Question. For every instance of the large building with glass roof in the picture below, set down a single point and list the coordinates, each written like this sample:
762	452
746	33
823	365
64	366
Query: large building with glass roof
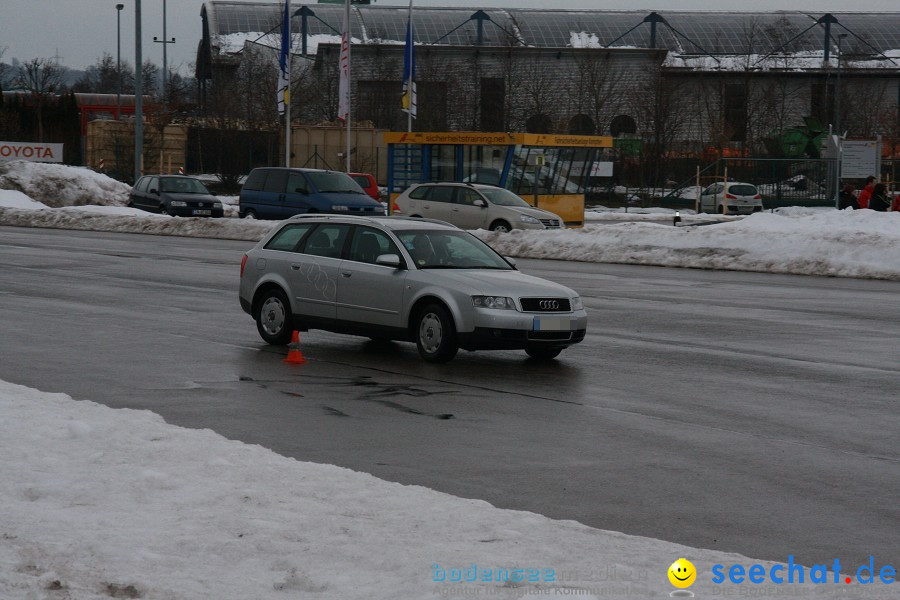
710	77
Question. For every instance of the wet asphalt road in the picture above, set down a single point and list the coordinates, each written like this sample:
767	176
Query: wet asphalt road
744	412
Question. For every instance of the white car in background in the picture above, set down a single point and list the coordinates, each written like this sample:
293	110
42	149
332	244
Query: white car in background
730	198
474	206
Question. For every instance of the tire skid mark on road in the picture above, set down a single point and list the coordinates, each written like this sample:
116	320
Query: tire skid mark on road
735	352
483	388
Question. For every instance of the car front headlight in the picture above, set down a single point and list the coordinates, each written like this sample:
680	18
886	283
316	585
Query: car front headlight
217	205
577	304
499	302
177	203
529	219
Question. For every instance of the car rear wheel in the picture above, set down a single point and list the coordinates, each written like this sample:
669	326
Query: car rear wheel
273	318
721	209
500	226
435	334
542	352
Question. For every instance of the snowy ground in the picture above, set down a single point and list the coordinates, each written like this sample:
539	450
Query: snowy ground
103	503
818	241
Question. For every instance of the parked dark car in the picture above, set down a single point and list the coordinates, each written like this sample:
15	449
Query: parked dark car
175	195
279	193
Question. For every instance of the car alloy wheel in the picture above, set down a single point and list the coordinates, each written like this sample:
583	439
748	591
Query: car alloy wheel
500	227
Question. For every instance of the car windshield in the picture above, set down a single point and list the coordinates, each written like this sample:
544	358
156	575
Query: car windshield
445	249
328	182
502	197
179	185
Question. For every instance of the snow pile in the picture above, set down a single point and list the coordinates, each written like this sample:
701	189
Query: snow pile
62	185
103	503
860	243
131	220
16	199
583	39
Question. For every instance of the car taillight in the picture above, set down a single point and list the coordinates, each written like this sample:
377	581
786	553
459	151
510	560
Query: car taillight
757	197
731	197
243	264
394	207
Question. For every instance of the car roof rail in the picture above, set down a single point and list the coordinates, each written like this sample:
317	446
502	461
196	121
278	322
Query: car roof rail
416	220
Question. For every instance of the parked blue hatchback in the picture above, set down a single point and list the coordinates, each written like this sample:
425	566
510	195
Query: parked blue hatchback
279	193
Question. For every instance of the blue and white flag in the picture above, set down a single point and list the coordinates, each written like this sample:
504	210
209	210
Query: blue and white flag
408	100
284	63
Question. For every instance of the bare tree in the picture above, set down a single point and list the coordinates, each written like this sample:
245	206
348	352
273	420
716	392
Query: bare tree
598	85
43	78
663	113
101	77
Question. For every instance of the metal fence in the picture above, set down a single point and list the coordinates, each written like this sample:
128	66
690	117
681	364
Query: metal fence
781	182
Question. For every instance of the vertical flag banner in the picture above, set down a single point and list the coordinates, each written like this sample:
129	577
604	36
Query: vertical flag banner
344	86
284	63
408	100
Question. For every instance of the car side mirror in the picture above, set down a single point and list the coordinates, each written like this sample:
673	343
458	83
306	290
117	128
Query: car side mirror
388	260
480	202
510	260
213	194
154	191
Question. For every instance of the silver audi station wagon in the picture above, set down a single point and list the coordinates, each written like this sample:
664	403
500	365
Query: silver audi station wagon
396	278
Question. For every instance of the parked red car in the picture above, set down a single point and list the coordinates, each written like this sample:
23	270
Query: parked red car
367	183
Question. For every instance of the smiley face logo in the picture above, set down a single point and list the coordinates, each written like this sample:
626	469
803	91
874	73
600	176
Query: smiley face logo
682	573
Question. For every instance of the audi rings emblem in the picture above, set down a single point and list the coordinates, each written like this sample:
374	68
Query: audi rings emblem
549	305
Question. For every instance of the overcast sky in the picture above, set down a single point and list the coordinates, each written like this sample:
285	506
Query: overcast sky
80	31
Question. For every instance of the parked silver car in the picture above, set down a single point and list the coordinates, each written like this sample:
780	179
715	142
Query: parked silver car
730	198
396	278
474	206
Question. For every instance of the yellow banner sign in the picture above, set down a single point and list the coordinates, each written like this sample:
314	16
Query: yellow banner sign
566	141
465	138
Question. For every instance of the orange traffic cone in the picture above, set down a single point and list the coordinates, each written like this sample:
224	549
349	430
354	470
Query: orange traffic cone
294	355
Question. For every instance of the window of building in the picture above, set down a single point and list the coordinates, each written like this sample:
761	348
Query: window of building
493	98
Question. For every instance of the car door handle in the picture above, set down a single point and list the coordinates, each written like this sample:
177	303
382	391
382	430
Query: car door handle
295	267
346	273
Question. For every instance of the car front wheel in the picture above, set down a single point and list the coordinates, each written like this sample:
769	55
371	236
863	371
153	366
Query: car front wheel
249	214
273	318
436	334
500	226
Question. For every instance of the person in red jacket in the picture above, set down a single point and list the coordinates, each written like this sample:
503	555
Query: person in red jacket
866	192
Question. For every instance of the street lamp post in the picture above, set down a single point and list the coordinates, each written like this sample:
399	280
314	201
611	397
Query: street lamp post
165	41
837	87
138	95
119	8
837	125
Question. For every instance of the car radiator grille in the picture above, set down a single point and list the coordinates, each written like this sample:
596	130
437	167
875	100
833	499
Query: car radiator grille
545	304
550	223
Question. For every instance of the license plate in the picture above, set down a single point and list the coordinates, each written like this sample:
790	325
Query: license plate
552	324
202	213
